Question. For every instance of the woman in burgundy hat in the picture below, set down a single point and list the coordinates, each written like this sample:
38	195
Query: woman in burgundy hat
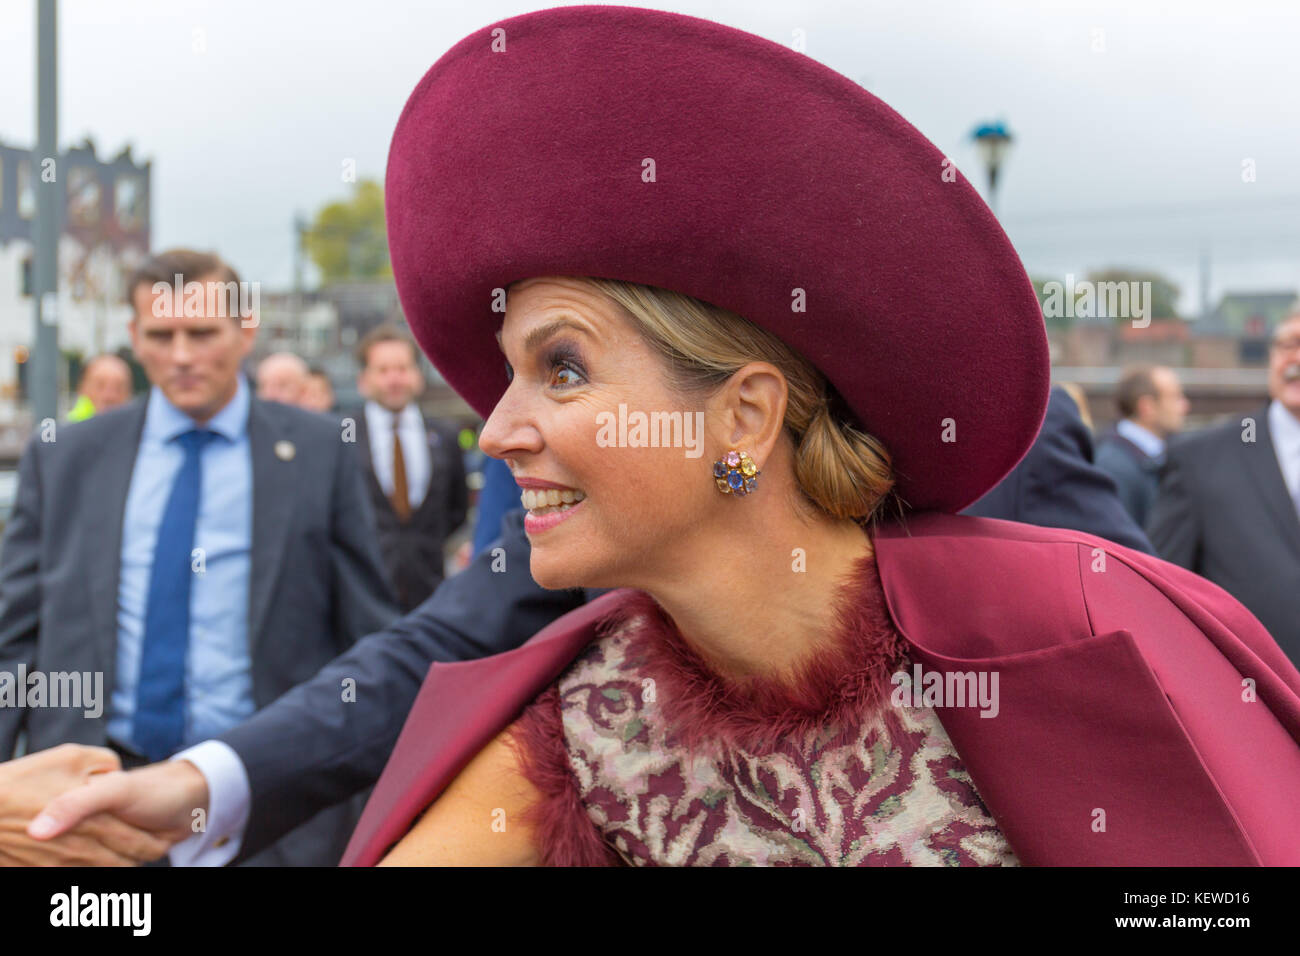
747	342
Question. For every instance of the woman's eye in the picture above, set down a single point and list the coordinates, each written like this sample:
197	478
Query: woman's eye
510	372
563	375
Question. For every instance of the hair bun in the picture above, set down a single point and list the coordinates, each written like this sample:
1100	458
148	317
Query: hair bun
845	471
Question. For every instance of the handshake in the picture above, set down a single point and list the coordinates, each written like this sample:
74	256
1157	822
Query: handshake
73	805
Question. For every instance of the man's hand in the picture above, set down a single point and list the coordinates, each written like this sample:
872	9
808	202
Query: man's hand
169	800
29	783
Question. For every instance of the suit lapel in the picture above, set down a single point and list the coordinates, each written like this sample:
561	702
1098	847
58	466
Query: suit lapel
274	481
1140	457
104	509
1262	466
367	460
430	437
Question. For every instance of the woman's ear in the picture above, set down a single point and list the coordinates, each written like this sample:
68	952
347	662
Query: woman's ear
749	410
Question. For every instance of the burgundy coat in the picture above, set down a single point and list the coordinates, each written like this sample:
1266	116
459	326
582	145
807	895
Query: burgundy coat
1127	685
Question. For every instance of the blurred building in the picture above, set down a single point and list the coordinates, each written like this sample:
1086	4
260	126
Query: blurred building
1234	335
361	305
1248	319
1221	359
104	236
324	327
307	325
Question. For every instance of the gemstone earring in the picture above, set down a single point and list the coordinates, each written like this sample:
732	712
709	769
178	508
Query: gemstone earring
735	473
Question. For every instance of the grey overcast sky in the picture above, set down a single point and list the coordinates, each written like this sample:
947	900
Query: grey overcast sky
1132	119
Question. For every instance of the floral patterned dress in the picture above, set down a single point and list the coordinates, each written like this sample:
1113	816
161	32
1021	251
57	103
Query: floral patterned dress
645	755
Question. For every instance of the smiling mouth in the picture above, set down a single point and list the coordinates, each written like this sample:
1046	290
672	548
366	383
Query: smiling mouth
1291	373
543	501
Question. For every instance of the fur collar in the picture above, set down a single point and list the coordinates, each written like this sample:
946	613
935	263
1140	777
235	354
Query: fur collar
841	686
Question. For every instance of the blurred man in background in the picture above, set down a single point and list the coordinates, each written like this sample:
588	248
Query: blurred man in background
318	393
1057	485
282	377
200	549
105	383
1153	407
1229	501
416	473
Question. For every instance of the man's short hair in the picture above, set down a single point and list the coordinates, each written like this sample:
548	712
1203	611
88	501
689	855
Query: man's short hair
1137	380
187	263
386	332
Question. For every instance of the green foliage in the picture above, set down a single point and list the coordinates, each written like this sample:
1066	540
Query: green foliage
1164	293
1053	322
347	238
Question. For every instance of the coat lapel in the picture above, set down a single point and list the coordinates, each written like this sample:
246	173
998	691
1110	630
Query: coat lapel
104	509
275	478
432	440
367	461
1079	771
1262	466
1101	722
459	709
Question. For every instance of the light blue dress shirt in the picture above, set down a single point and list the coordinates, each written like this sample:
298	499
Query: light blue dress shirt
1150	443
218	667
415	449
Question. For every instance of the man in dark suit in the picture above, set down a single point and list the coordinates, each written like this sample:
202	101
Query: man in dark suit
1153	407
414	468
1056	484
202	550
309	750
1229	497
313	747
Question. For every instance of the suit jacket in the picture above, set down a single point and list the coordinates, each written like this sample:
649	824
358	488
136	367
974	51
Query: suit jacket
310	749
1135	473
1056	484
413	549
1123	736
316	583
1223	511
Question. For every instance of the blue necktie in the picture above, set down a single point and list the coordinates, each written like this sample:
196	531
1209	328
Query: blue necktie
159	722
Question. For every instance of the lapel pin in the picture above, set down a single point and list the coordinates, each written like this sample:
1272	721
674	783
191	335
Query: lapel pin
285	451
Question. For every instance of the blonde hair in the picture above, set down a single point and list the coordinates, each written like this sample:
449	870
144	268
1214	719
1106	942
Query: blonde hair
839	468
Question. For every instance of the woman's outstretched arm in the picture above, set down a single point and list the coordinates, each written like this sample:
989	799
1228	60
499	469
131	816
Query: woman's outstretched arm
478	820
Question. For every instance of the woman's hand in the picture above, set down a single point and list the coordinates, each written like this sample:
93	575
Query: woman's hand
478	819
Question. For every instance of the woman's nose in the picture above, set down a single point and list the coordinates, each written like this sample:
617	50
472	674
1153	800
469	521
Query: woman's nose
508	430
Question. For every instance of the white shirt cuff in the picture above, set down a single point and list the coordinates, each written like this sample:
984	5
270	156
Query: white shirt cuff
229	797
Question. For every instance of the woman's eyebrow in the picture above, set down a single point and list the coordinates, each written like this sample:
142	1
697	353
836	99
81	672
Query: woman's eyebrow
544	332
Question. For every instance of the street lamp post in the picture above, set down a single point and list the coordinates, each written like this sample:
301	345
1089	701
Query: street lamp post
992	140
43	375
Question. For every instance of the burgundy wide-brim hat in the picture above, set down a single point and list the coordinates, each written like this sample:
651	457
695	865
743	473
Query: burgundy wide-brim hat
676	152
